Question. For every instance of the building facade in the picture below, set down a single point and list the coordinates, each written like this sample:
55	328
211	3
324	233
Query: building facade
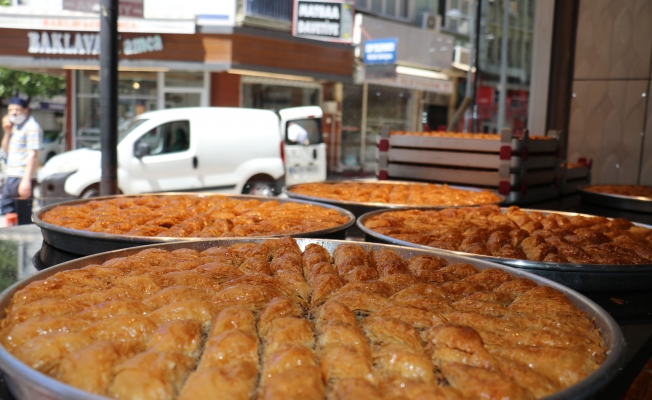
170	61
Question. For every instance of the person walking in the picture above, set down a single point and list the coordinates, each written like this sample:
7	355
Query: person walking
21	142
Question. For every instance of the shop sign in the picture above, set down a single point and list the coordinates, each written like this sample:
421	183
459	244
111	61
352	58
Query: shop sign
63	43
380	51
126	8
87	43
11	20
323	20
139	45
485	95
213	13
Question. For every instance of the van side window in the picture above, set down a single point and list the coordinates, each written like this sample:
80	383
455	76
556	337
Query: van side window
171	137
303	131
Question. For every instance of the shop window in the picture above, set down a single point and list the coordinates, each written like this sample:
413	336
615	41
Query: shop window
275	97
351	120
136	95
171	137
184	79
176	100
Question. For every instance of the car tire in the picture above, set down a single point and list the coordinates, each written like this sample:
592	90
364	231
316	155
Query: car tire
49	155
91	191
260	189
260	185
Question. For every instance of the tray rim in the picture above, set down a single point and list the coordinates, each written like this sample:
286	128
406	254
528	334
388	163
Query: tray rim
131	239
592	383
643	199
529	264
287	190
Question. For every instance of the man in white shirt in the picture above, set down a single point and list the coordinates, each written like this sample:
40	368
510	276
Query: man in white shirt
297	134
21	142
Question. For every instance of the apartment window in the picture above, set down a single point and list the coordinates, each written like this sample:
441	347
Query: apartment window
377	6
403	11
490	51
457	16
398	9
390	7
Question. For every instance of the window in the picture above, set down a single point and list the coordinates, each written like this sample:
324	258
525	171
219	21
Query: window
390	7
387	8
276	97
303	131
377	6
171	137
403	8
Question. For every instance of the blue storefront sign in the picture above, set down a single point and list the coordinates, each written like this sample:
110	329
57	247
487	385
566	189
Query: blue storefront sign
380	51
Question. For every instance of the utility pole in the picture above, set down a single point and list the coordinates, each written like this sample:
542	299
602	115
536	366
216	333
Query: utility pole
468	123
503	67
109	96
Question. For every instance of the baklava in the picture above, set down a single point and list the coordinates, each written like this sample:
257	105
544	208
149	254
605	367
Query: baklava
305	324
460	135
193	216
396	193
517	234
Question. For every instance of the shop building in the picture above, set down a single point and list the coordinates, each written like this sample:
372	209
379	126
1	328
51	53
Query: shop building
416	92
165	63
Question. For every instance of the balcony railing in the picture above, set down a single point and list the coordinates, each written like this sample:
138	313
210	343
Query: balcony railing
275	10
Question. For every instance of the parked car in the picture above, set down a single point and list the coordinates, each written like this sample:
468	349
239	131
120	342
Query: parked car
53	143
224	150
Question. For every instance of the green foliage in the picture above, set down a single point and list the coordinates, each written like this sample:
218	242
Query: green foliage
8	268
30	84
5	2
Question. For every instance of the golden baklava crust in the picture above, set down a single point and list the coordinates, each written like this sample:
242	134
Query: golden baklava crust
193	216
183	325
517	234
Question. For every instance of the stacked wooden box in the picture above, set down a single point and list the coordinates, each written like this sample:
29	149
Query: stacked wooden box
521	168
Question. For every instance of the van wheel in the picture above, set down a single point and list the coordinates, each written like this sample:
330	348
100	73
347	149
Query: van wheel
91	191
259	185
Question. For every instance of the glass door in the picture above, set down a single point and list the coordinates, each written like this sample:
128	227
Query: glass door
183	89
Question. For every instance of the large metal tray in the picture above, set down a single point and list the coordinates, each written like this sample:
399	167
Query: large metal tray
87	243
27	383
582	277
360	208
629	203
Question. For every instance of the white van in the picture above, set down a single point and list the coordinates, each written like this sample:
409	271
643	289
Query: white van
224	150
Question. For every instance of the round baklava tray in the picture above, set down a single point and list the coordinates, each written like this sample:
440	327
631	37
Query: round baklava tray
300	319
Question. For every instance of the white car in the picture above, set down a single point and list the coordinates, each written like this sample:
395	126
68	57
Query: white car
225	150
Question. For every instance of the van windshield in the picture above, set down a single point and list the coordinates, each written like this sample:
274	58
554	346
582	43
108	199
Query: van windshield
127	127
303	131
123	130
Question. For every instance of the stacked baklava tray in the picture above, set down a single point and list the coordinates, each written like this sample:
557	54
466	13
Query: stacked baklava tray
266	320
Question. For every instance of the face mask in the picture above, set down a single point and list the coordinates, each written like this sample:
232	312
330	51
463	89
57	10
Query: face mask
17	119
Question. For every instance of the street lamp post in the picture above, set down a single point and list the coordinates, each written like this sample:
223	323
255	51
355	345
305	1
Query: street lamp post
109	96
503	67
